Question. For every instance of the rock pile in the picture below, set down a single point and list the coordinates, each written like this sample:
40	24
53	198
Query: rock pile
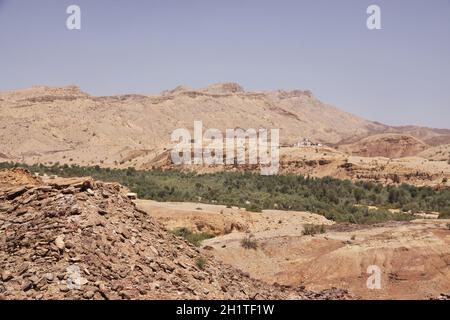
83	239
442	296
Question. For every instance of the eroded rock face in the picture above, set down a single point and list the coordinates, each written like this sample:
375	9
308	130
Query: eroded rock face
386	145
83	239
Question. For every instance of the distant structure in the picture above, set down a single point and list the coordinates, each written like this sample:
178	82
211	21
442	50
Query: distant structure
307	143
132	196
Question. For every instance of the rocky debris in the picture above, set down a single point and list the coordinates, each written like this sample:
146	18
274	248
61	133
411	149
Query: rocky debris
442	296
6	276
59	242
14	192
69	185
92	243
329	294
18	178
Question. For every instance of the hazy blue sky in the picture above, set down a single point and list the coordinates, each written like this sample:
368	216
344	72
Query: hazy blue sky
398	75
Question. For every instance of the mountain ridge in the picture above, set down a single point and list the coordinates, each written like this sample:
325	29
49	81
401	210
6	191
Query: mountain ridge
67	125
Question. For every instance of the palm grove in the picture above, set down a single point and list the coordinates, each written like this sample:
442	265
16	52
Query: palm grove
339	200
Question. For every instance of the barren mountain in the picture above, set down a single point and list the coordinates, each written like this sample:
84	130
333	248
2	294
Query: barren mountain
45	124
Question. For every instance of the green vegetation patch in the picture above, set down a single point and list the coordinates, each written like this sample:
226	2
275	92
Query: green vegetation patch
249	242
312	229
195	238
338	200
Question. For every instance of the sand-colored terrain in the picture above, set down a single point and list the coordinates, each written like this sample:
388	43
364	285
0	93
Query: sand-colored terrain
220	220
414	257
437	153
123	246
326	161
321	162
387	145
69	126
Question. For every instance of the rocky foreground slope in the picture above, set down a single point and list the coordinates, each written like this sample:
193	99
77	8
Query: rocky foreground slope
83	239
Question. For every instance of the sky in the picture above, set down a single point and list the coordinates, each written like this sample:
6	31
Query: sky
397	75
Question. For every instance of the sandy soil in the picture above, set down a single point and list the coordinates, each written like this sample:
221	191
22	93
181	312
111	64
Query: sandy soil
414	257
220	220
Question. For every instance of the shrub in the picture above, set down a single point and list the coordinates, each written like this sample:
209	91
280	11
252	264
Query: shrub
200	263
253	208
312	229
195	238
249	242
445	214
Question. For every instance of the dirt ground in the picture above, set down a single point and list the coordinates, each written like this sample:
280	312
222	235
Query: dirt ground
414	257
221	221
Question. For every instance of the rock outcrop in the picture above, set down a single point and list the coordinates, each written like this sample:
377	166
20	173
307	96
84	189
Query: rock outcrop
386	145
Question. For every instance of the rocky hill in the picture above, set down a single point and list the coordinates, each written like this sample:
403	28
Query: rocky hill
389	145
83	239
426	169
437	153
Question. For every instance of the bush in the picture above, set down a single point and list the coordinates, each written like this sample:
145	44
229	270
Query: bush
312	229
249	242
445	214
253	208
200	263
195	238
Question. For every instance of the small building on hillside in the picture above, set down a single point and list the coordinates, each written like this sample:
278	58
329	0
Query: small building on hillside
306	142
